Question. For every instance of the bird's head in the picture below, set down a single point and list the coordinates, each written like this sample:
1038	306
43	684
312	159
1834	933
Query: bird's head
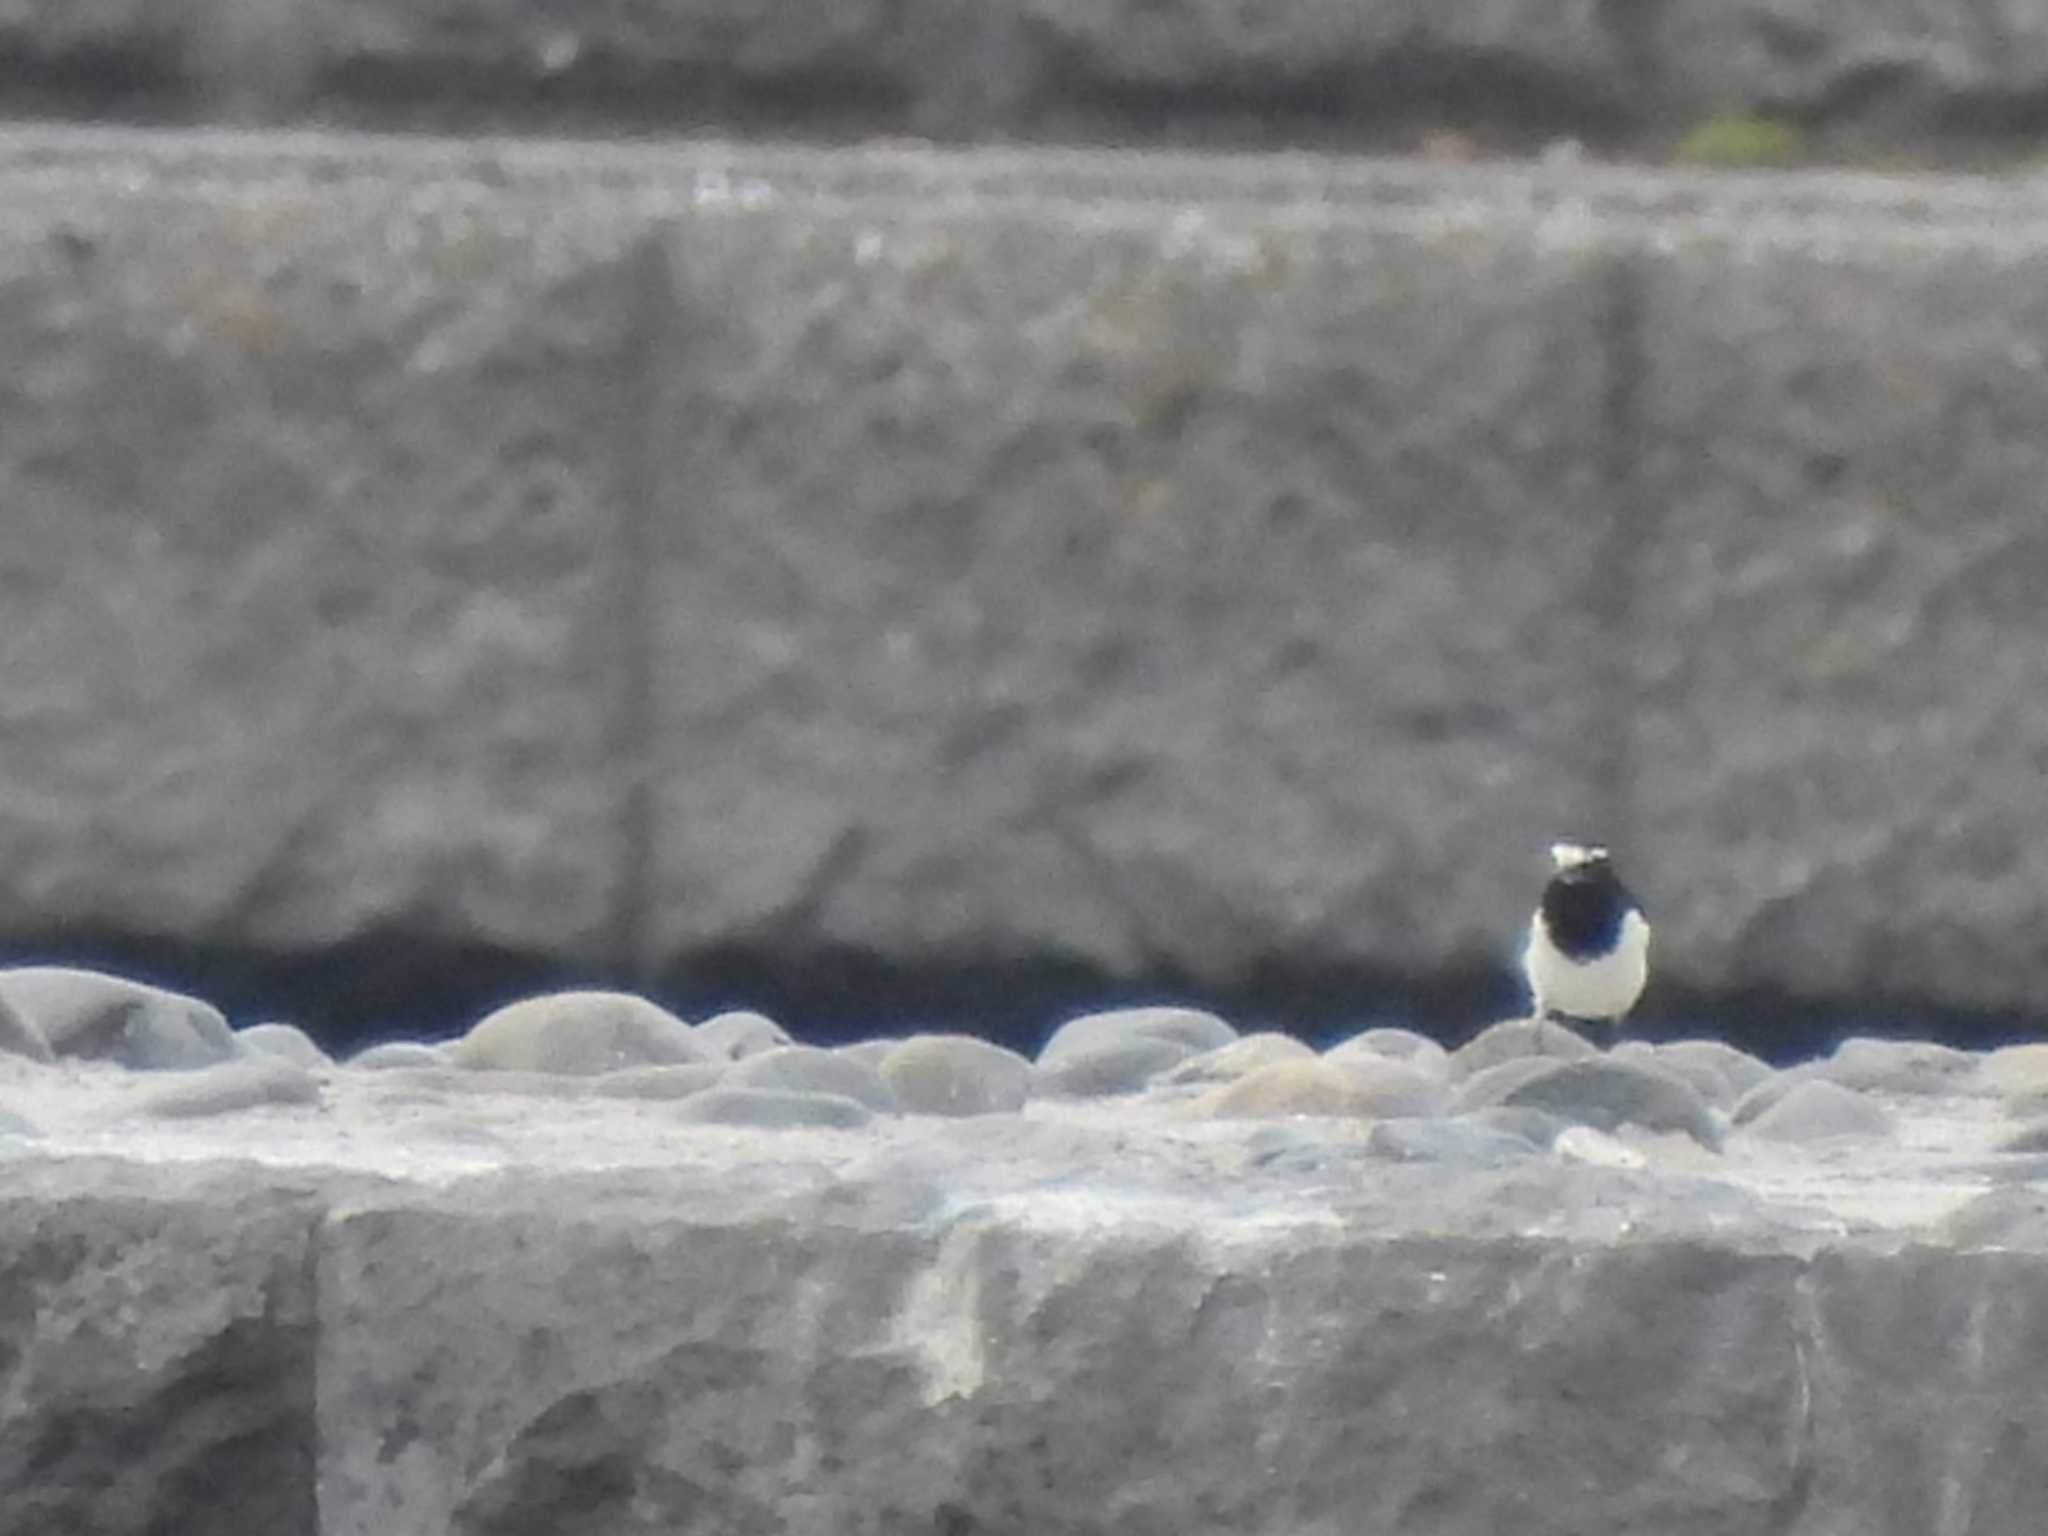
1569	856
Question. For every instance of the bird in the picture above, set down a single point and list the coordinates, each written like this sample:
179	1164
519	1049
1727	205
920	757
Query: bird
1588	952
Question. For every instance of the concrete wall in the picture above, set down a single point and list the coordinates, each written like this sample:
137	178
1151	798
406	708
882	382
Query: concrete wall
867	580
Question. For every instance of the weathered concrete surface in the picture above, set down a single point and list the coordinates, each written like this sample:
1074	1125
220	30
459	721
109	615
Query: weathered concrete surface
1359	73
1015	561
407	1310
1167	572
157	1351
309	566
1840	655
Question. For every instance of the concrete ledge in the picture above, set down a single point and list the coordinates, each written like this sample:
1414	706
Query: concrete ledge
1176	571
441	1299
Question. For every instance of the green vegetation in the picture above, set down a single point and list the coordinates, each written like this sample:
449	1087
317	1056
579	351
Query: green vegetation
1741	140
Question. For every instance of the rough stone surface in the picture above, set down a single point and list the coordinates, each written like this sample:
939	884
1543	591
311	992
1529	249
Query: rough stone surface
309	560
12	1124
489	1312
959	461
579	1033
1464	1141
158	1338
1837	810
795	559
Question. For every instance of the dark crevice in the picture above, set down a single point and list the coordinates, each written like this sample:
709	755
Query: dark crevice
1500	101
91	84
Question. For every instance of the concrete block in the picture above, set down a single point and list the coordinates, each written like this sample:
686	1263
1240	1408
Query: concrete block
310	574
1842	662
1126	584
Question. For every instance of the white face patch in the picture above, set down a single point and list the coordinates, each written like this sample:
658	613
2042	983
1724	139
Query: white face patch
1572	855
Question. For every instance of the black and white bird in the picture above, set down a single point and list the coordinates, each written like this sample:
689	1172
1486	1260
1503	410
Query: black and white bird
1588	953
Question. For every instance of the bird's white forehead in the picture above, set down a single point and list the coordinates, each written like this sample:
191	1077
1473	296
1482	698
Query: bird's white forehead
1572	855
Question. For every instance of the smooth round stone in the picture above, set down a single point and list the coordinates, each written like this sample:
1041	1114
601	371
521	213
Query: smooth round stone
808	1069
1608	1094
2015	1070
19	1035
677	1082
1738	1068
578	1034
1194	1028
1705	1077
1899	1066
1405	1045
955	1075
1124	1064
1512	1038
246	1083
738	1034
1462	1141
288	1041
394	1055
773	1109
1818	1109
94	1016
1306	1087
1392	1089
1489	1086
1770	1090
869	1053
1229	1062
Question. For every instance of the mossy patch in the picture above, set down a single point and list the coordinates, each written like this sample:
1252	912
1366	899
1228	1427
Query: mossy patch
1739	140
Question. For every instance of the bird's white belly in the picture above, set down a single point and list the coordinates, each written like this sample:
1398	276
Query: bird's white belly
1602	988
